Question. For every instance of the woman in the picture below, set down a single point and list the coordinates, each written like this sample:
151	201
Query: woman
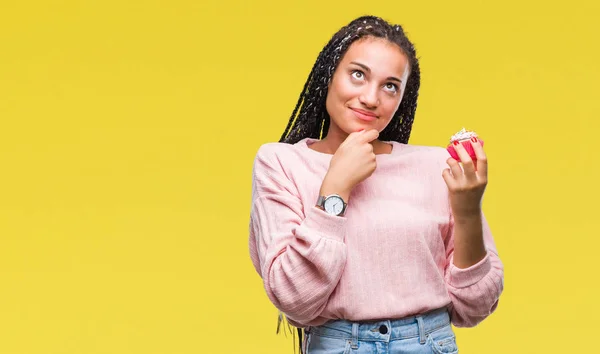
368	244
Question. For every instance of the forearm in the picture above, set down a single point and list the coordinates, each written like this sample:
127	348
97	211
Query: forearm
469	247
300	287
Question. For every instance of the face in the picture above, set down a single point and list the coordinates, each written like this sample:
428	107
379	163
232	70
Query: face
367	86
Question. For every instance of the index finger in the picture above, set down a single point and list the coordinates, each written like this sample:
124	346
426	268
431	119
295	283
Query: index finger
467	163
369	135
481	157
352	136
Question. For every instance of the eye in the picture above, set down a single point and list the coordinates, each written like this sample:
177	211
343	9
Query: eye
358	75
391	87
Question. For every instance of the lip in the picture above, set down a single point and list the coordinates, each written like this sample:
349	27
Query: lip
364	115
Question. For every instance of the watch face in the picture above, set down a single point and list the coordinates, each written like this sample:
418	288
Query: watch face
334	205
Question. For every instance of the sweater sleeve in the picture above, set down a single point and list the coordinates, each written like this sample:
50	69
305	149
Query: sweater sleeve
298	252
475	290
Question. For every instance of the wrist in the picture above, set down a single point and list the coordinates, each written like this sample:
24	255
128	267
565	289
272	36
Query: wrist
465	212
331	186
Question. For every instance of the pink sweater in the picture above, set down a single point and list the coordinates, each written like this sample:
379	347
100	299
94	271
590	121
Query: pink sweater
389	257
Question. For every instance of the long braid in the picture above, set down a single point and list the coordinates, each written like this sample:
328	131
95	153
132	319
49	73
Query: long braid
298	105
310	116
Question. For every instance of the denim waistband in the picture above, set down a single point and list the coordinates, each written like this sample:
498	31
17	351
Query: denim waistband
385	330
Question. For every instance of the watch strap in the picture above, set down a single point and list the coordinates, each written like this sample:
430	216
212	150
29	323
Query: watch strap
321	201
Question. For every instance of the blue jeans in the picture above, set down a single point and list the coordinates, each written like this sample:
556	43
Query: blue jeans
427	333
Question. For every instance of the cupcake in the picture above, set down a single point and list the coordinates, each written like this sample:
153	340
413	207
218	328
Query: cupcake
464	137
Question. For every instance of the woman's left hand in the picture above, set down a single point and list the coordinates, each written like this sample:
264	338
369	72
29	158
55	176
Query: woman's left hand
466	184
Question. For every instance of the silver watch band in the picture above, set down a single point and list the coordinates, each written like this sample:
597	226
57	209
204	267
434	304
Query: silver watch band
321	201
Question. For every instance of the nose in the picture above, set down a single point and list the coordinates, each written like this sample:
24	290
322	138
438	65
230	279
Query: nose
369	96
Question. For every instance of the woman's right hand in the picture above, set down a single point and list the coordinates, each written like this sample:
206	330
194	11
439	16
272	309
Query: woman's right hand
351	164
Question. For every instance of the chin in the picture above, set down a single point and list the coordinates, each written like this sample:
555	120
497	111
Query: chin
357	127
366	125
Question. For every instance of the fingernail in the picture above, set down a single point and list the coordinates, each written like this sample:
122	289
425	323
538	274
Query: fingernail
456	142
474	139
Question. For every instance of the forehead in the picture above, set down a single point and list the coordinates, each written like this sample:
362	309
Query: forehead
380	55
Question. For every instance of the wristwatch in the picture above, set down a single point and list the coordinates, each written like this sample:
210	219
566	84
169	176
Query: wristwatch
332	204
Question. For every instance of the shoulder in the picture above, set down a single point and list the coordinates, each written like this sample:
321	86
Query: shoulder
276	165
273	149
272	152
427	153
426	158
277	158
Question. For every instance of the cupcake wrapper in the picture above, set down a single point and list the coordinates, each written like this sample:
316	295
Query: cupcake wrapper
467	145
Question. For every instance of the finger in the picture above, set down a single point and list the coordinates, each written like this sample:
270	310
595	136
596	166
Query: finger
352	136
448	178
369	135
481	157
466	160
455	168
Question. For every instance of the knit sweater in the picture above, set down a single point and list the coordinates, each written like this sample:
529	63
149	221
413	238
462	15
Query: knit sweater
389	256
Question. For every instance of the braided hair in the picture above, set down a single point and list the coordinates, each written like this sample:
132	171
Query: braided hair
310	118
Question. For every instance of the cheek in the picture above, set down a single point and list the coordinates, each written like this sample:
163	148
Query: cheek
338	94
344	90
390	107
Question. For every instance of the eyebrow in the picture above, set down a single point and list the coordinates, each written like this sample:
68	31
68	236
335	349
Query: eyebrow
367	69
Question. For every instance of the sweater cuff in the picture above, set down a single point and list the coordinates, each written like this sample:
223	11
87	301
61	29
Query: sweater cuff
464	277
325	225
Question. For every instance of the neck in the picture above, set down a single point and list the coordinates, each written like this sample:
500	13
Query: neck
333	140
